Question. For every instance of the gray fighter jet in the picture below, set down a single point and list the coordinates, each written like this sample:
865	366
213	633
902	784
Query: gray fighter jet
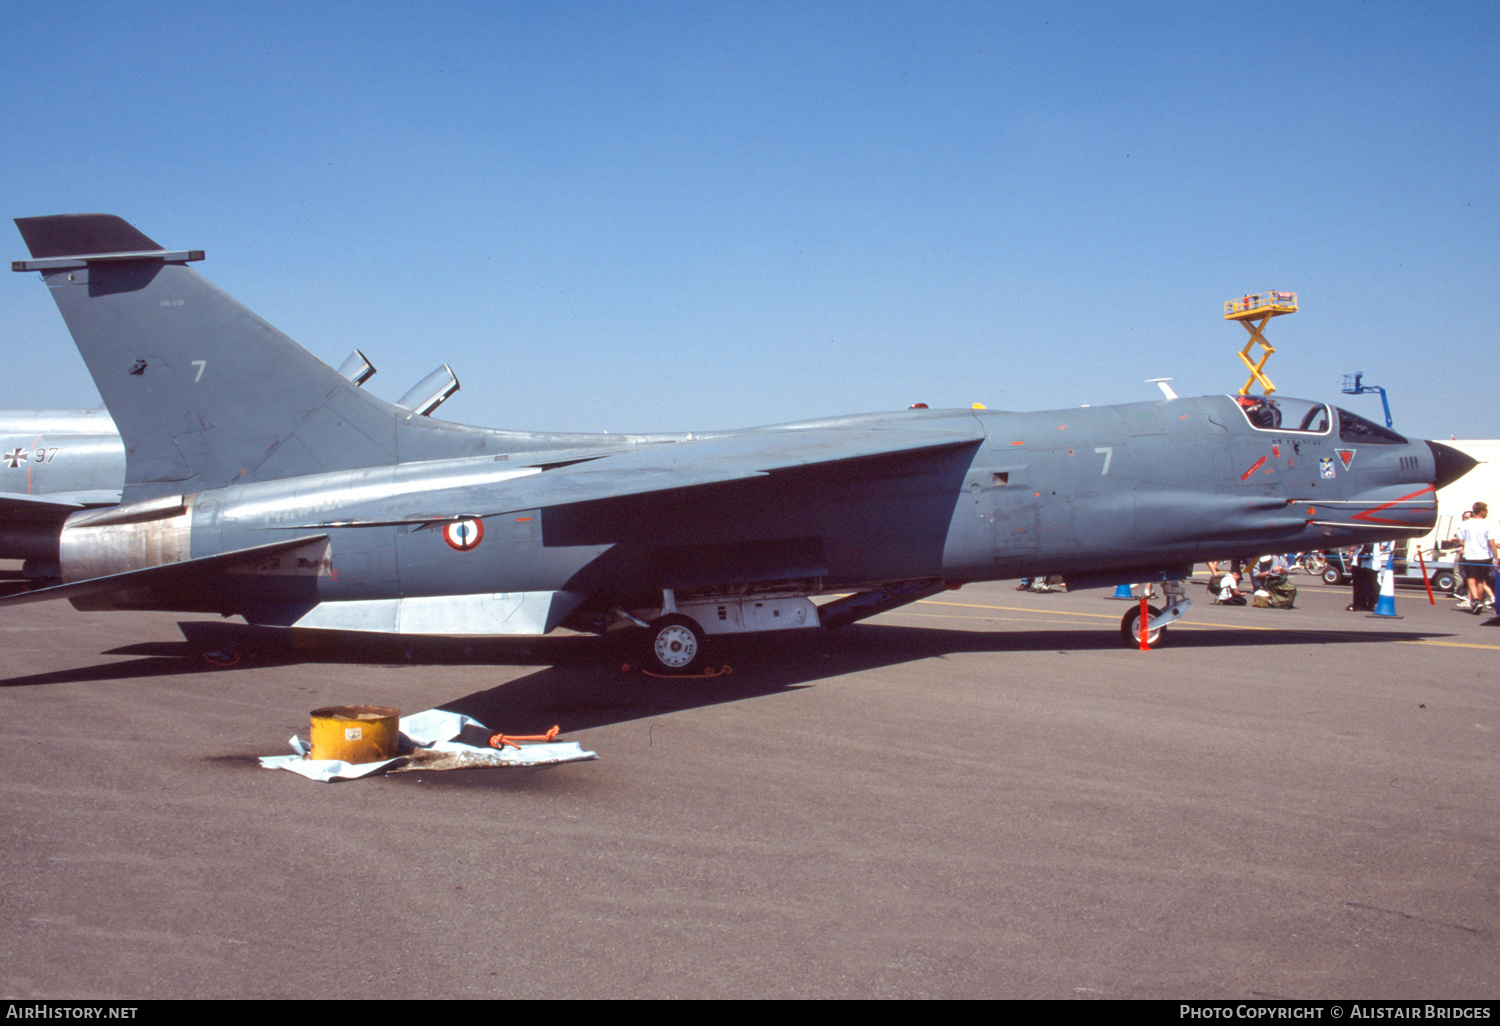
261	482
52	463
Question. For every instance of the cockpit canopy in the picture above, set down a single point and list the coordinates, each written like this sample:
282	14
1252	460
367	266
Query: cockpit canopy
1269	414
1306	417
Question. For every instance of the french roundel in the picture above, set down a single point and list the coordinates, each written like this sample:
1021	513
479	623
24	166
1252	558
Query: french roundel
464	535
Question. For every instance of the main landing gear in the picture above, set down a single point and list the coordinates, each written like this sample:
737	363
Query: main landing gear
672	645
676	641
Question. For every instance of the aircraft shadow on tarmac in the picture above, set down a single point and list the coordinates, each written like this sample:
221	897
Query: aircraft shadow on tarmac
580	680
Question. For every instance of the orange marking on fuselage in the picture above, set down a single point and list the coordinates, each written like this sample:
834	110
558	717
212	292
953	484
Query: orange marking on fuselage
1369	514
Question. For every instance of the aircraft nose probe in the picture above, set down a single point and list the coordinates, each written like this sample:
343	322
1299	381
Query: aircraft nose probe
1449	463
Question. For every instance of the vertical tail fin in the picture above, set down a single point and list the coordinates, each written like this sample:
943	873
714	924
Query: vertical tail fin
204	392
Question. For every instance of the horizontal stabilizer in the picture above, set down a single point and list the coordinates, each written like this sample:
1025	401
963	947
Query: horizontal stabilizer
187	571
15	505
77	235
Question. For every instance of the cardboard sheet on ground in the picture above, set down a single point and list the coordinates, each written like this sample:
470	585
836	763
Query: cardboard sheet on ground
428	743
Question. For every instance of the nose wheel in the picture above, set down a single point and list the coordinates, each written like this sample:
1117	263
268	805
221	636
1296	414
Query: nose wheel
673	645
1131	632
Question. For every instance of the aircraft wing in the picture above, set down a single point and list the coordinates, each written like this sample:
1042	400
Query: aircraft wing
708	461
659	468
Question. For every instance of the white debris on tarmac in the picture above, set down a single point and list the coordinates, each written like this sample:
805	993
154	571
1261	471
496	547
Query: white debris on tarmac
429	737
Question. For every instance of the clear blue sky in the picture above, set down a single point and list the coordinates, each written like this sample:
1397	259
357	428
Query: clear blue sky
697	215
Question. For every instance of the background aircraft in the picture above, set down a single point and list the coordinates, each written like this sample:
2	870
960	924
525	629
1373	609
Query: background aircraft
261	482
52	463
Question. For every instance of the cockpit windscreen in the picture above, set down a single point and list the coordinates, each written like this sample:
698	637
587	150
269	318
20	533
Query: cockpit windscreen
1354	428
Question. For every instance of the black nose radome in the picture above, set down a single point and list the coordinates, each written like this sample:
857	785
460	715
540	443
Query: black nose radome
1451	464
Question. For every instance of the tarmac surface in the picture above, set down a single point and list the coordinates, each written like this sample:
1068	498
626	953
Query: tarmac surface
982	795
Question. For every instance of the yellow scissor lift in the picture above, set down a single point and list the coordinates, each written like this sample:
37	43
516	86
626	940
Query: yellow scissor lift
1253	311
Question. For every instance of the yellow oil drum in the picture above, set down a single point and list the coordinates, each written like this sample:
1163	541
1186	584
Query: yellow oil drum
355	733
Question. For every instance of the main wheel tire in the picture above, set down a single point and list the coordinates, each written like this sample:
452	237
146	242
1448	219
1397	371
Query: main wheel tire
1132	636
1444	580
1332	576
673	645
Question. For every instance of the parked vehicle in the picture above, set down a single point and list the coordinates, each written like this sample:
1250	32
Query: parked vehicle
1407	568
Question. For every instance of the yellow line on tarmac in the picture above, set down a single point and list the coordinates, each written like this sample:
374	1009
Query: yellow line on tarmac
991	619
1100	616
1446	644
1179	623
1016	609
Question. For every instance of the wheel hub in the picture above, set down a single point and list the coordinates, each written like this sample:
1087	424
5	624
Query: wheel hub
675	646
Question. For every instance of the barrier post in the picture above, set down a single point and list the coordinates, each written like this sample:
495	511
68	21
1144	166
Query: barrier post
1425	582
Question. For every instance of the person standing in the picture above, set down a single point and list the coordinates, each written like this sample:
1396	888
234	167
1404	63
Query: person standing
1479	553
1460	588
1366	583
